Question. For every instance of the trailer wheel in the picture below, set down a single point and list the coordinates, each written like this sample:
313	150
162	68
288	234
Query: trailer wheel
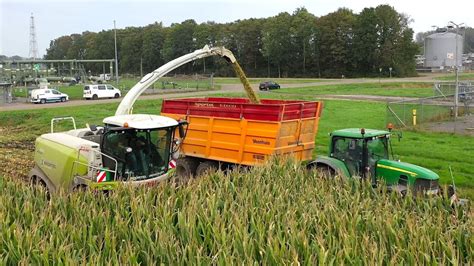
207	167
186	169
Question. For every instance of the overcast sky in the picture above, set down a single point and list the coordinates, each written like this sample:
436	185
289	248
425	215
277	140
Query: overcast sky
57	18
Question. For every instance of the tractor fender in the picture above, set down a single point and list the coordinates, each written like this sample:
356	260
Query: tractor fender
337	165
38	173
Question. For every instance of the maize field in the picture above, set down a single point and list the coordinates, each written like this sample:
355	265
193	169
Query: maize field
272	214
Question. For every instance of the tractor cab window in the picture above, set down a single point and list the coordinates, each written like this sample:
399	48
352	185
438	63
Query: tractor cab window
350	151
377	148
141	154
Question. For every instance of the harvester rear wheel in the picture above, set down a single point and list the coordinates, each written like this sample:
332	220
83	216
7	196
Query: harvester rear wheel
186	169
207	167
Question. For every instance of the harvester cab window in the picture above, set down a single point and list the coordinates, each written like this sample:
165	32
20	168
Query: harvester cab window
139	154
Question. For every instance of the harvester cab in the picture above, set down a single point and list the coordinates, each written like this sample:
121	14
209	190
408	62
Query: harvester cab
365	153
130	148
142	145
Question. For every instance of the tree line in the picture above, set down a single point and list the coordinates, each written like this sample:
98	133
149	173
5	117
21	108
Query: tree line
339	44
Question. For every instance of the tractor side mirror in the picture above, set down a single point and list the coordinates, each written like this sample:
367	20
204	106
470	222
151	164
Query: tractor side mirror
182	131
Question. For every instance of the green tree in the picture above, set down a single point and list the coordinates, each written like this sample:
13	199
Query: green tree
335	40
58	48
179	40
131	44
277	44
152	46
303	31
397	49
366	42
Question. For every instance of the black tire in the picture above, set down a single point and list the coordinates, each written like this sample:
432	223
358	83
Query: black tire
207	167
325	171
63	99
116	95
42	101
40	186
322	170
94	97
80	188
186	169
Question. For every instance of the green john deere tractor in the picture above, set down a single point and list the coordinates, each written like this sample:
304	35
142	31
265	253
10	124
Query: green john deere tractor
364	153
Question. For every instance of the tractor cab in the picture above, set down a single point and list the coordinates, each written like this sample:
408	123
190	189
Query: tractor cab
365	153
360	149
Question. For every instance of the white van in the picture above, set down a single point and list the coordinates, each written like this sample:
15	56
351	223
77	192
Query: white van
48	95
96	91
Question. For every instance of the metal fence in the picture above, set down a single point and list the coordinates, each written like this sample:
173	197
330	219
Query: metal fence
437	113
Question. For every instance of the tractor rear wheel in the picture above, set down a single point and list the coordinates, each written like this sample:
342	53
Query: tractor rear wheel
325	171
186	169
207	167
322	170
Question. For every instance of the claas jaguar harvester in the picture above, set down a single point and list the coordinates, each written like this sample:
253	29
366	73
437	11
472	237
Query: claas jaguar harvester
128	148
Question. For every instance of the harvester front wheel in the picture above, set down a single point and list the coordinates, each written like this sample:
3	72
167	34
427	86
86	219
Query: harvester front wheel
207	167
186	169
38	184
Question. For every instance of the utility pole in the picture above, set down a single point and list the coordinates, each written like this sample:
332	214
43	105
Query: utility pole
456	69
116	57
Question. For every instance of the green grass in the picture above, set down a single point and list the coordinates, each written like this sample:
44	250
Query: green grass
277	214
405	89
462	76
277	80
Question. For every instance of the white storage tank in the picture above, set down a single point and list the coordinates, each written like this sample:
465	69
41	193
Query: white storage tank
440	49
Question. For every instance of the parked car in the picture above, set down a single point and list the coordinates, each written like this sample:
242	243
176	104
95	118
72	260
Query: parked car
46	95
268	85
96	91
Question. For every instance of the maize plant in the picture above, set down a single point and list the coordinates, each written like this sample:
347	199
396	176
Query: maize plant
277	213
